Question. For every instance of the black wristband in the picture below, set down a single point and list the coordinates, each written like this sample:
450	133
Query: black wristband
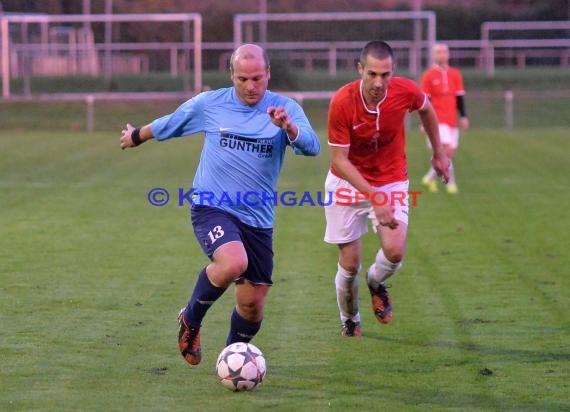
136	136
461	106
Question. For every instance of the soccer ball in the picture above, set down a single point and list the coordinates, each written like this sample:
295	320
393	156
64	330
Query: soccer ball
241	367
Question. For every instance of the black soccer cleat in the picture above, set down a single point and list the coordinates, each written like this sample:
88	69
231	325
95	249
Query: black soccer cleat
351	328
189	341
381	303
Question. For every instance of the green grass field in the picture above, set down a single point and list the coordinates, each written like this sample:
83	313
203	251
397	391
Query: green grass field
92	277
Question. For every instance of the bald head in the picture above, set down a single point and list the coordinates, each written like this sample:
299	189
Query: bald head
250	52
440	54
249	71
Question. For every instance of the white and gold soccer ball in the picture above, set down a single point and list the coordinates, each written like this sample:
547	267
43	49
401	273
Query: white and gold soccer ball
241	367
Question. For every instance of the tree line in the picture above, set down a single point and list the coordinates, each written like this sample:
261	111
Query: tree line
456	19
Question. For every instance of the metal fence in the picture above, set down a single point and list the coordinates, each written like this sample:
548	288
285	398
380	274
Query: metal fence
44	45
416	34
524	45
487	109
67	45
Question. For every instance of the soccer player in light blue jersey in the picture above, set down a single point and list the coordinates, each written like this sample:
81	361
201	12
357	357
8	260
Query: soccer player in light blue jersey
247	130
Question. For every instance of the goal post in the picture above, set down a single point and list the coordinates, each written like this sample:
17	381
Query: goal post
247	26
543	40
12	46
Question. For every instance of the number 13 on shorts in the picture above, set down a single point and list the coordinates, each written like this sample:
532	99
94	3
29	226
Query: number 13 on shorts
216	233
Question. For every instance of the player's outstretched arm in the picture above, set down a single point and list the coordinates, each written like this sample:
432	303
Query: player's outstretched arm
439	161
134	136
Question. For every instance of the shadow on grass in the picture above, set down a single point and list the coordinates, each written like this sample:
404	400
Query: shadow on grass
438	399
518	355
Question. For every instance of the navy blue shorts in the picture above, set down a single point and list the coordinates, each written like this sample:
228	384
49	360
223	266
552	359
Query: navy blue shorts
214	227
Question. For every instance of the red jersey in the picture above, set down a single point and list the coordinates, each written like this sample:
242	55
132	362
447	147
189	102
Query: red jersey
443	86
376	138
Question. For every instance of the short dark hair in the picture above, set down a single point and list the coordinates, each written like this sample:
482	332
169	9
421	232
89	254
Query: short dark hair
378	49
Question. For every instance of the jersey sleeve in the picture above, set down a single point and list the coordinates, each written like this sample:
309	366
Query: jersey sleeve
307	142
338	125
418	98
187	119
425	82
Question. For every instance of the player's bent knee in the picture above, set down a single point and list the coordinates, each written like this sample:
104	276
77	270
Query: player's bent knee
350	262
394	255
251	310
352	268
232	269
236	268
230	260
250	299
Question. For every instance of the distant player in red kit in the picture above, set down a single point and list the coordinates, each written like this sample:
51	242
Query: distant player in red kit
366	137
444	86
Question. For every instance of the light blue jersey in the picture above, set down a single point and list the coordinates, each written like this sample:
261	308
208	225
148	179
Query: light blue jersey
243	150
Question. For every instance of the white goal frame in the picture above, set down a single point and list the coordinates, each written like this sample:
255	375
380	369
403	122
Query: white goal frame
488	45
44	20
415	46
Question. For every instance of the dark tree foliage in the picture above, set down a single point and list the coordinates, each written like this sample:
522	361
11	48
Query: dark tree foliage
456	19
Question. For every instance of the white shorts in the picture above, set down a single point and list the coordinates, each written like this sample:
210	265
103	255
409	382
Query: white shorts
447	135
348	214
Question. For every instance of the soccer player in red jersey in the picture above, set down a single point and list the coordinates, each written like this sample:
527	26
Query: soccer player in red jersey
367	149
444	86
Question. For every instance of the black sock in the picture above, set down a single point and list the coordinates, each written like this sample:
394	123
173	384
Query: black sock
204	295
241	330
